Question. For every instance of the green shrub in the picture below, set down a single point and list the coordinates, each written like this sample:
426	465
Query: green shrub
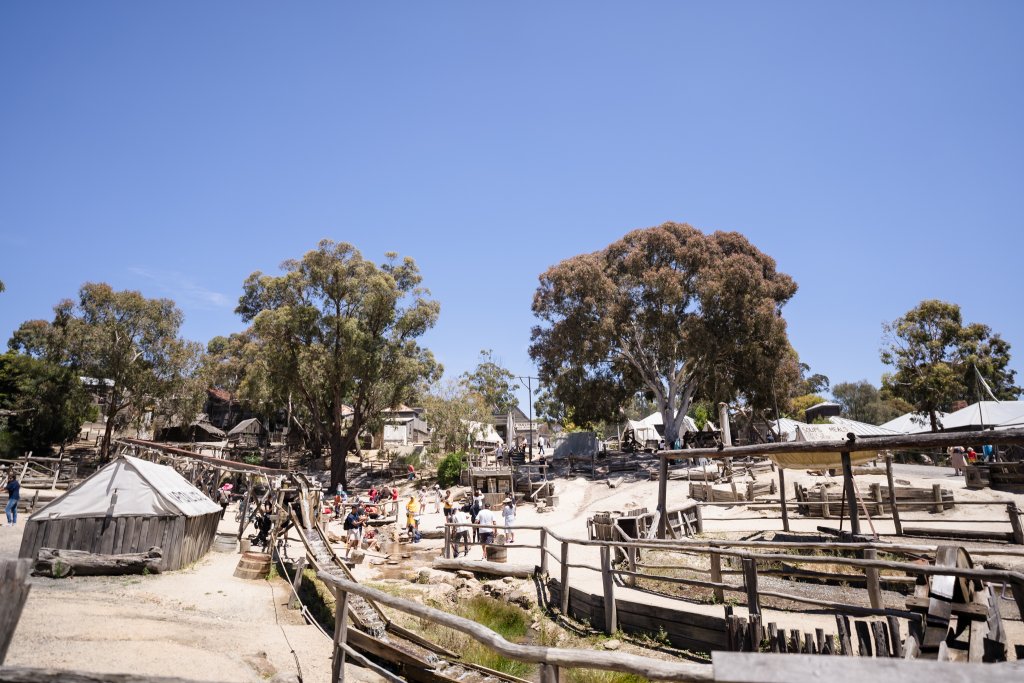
450	469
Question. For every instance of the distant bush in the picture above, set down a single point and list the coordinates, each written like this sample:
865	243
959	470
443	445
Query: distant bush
450	469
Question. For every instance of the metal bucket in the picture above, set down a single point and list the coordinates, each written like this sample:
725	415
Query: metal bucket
225	543
496	553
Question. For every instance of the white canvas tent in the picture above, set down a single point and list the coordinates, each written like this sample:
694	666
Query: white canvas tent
912	423
986	415
647	429
128	506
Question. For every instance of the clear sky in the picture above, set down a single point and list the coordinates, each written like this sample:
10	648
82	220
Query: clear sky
875	149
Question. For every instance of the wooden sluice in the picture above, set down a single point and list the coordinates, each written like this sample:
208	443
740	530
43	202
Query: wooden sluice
374	634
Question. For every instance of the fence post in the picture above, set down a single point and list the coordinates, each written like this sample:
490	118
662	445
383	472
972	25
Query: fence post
892	495
782	498
610	615
548	673
1018	530
851	494
543	551
340	635
447	541
937	497
565	578
871	576
300	565
663	498
750	579
631	556
244	521
13	593
716	576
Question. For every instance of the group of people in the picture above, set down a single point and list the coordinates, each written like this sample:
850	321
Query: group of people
960	458
475	512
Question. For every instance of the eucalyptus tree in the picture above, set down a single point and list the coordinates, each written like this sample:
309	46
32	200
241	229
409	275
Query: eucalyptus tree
668	311
130	347
339	333
937	359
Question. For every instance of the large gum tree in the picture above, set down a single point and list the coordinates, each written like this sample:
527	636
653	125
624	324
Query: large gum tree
667	311
339	333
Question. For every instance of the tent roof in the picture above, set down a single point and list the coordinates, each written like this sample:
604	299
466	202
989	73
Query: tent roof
911	423
787	427
129	487
861	428
999	414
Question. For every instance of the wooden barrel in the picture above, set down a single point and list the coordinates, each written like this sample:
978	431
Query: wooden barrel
224	543
496	553
253	566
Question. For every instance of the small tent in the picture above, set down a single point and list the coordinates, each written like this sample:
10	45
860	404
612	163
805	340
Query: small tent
128	506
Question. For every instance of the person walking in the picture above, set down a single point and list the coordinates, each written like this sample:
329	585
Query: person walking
447	503
13	496
412	518
353	529
488	526
462	521
508	515
957	460
412	472
438	498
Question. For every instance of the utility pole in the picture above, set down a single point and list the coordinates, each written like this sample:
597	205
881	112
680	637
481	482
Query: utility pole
529	388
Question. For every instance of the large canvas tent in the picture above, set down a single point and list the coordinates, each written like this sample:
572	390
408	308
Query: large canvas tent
128	506
986	415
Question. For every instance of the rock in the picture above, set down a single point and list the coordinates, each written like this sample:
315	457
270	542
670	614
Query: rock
423	576
464	574
521	599
437	576
612	644
535	626
509	579
441	592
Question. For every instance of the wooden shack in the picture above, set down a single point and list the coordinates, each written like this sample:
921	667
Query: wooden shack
249	433
128	506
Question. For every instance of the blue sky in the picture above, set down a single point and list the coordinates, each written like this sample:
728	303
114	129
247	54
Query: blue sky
876	150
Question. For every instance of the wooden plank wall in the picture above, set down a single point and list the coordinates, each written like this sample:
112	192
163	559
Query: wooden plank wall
182	539
684	630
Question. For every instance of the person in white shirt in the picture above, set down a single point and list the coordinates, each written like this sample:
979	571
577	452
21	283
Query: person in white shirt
488	525
461	518
508	515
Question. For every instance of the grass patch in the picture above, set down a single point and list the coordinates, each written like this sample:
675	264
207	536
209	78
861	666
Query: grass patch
597	676
507	620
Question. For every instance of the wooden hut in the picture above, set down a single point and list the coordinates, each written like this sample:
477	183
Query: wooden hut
247	433
129	506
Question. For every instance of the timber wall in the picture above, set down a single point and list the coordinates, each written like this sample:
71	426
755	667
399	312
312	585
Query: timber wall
183	540
685	630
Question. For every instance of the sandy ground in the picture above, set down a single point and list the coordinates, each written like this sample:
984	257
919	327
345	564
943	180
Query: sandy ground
202	623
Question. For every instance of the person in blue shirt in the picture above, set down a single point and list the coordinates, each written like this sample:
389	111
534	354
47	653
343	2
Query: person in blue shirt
14	495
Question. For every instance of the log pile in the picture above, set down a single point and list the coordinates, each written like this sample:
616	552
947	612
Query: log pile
709	493
60	563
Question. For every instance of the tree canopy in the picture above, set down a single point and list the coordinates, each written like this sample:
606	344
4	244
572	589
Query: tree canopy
668	310
934	354
493	383
47	404
862	401
339	334
126	343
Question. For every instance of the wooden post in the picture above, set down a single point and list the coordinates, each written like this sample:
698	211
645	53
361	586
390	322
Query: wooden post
876	496
871	575
549	673
631	556
892	495
565	578
937	497
448	542
851	495
300	565
750	579
13	593
340	635
663	498
1015	524
243	522
716	576
826	513
782	498
543	551
610	614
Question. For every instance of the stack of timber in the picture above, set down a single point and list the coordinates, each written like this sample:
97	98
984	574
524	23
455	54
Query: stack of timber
709	493
1001	476
875	498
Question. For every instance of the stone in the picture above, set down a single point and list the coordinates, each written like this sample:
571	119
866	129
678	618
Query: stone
441	592
437	576
612	644
521	599
509	579
464	574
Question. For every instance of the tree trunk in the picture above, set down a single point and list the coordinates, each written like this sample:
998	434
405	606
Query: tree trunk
341	444
934	420
108	430
60	563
